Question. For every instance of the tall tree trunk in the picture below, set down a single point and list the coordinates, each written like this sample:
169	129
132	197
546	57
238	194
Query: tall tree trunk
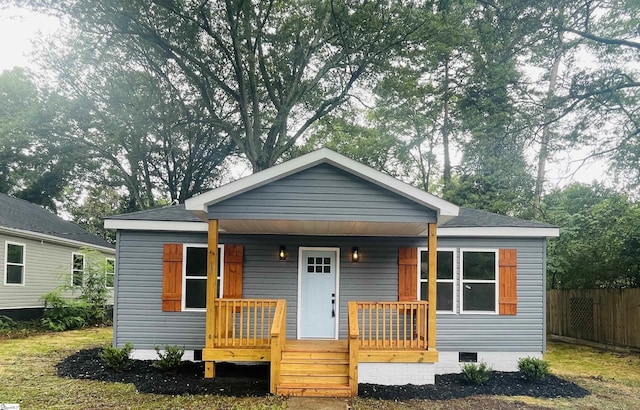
446	128
543	154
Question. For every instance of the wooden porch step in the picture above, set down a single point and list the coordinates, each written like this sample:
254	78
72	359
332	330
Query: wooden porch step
314	368
313	391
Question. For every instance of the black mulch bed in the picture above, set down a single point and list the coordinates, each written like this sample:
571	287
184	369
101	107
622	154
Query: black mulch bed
244	381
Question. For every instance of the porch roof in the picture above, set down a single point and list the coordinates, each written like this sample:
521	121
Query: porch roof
469	222
444	210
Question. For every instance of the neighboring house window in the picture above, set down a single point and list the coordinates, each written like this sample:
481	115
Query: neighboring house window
446	299
110	272
194	272
479	280
77	269
14	264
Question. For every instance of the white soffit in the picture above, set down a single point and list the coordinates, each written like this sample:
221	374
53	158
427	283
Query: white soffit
337	228
446	210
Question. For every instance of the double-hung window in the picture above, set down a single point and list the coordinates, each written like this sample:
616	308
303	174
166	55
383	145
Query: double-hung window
479	291
445	279
77	269
110	271
14	263
194	273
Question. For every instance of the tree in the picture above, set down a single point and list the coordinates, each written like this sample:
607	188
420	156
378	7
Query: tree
34	165
266	70
599	243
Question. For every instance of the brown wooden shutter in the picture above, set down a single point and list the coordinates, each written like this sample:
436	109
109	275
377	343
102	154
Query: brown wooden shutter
172	277
232	272
407	274
508	299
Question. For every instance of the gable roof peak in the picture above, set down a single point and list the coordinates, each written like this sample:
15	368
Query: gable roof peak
199	204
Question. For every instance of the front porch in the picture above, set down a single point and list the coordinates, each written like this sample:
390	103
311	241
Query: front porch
254	330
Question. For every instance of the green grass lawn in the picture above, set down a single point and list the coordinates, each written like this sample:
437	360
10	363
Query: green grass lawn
27	376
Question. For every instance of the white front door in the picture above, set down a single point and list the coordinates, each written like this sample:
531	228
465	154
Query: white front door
317	294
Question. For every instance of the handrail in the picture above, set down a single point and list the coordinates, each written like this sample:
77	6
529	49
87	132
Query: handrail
392	325
243	323
278	336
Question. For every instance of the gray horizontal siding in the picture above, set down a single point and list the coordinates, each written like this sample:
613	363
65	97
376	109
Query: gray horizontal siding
139	318
480	332
47	266
322	193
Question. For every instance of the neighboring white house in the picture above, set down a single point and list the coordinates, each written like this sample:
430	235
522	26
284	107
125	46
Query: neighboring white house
39	251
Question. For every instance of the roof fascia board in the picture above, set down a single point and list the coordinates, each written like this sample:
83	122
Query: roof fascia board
324	155
495	232
53	239
146	225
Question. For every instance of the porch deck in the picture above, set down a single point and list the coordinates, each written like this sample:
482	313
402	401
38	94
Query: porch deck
255	330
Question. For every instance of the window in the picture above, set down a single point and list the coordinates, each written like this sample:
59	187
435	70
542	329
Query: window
445	279
479	280
14	263
194	272
110	272
77	269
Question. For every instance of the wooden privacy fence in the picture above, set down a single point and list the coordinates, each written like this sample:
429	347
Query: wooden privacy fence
610	316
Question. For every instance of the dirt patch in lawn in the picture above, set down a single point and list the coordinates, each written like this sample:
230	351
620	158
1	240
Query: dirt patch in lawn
246	381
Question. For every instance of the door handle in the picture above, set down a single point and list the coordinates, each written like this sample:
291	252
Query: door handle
333	305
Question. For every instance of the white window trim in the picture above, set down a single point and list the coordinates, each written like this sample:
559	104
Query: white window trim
496	281
110	273
452	280
84	267
6	263
183	298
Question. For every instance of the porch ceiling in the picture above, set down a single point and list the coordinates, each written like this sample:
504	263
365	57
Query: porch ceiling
326	228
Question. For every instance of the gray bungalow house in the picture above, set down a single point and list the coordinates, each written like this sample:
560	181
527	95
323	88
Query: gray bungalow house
336	274
35	247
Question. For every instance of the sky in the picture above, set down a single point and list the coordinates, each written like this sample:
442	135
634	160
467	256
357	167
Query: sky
19	28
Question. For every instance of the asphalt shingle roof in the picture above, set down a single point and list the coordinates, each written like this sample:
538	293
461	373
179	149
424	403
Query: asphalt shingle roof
473	218
466	218
19	214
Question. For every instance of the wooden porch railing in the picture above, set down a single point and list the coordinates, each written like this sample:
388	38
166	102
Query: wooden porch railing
244	323
390	325
278	337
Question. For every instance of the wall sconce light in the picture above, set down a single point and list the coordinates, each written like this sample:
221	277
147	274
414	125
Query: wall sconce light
355	254
282	255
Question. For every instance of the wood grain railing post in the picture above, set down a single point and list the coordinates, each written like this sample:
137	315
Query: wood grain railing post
278	336
354	347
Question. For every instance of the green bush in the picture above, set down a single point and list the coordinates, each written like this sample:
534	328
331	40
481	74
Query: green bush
533	369
64	314
90	307
170	359
6	323
119	359
476	373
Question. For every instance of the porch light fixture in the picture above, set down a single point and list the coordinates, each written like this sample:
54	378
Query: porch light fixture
355	254
282	255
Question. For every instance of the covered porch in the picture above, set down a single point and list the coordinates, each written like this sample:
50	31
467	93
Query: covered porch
255	330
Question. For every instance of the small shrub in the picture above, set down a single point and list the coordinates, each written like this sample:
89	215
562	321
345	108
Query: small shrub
6	323
119	359
62	314
170	359
533	369
476	373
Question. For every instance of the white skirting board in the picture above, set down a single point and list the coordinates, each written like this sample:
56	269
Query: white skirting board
424	373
